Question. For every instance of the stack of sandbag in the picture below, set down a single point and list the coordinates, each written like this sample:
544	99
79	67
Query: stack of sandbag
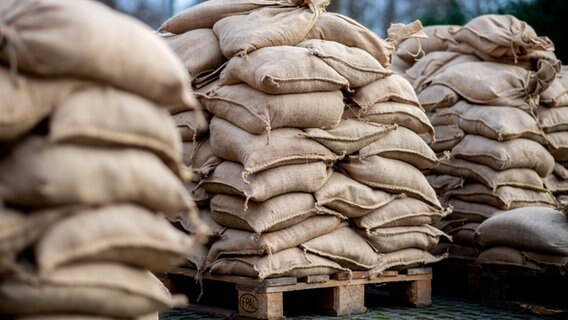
279	125
90	163
481	94
536	238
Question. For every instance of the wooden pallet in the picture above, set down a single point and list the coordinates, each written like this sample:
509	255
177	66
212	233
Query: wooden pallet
336	295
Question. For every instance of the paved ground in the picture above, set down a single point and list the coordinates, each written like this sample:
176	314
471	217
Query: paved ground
442	308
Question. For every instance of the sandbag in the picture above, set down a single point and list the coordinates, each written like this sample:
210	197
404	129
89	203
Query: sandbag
446	137
258	112
405	258
124	53
464	235
113	175
189	125
501	155
391	239
437	96
203	161
556	184
474	212
392	88
351	198
444	183
558	145
286	146
125	234
282	70
504	197
186	221
411	50
456	252
557	94
506	256
227	178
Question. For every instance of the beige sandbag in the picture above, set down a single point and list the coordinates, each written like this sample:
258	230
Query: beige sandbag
73	174
501	155
446	137
494	122
207	13
349	197
124	53
292	262
491	178
548	260
456	251
560	170
203	161
27	100
553	119
123	233
238	242
504	197
392	88
389	113
187	222
108	117
405	258
444	183
227	178
405	145
411	50
197	259
401	212
557	94
434	63
105	289
282	70
189	125
332	26
383	173
350	135
399	66
539	229
285	146
506	256
267	27
390	239
474	212
346	247
258	112
558	145
198	49
437	96
354	64
272	215
556	184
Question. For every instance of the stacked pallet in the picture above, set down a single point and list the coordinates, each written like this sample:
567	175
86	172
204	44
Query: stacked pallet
481	84
90	163
291	165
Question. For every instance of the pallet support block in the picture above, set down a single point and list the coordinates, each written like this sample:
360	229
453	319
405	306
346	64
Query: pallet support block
415	293
348	300
260	305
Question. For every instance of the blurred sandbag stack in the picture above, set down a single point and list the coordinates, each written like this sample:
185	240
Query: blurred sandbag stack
280	124
480	85
90	163
536	239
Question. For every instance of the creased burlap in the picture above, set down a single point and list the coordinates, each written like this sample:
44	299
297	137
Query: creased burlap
393	88
474	212
444	183
405	258
558	145
203	161
506	256
464	235
437	96
556	184
446	137
456	252
189	125
390	239
557	94
212	231
553	119
416	49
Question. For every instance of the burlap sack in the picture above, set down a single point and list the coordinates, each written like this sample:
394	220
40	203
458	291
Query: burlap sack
339	28
383	173
282	70
258	112
405	258
385	240
491	178
189	126
48	38
267	27
401	212
538	228
354	64
412	50
346	247
556	184
40	174
553	119
548	260
456	251
506	256
286	146
446	138
434	63
238	242
501	155
197	259
464	235
405	145
123	233
107	117
203	161
399	66
557	94
494	122
272	215
187	222
444	183
474	212
504	197
199	51
437	96
392	88
28	100
105	289
349	197
560	170
292	262
389	113
207	13
558	145
350	136
227	178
